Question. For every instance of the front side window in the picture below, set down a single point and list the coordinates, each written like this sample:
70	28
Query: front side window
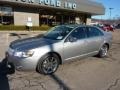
93	32
79	33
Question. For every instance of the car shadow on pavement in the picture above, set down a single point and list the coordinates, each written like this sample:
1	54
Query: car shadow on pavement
5	69
62	85
15	34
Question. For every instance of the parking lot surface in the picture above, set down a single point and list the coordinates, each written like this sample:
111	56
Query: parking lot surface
87	74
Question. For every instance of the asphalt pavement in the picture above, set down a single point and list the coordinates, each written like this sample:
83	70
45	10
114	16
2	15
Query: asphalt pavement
91	73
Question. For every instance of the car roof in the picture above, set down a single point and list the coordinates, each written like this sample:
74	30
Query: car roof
77	25
72	25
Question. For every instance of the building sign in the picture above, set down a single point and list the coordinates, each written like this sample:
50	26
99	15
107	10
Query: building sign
54	3
29	22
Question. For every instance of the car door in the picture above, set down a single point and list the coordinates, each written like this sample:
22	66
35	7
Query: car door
75	44
94	39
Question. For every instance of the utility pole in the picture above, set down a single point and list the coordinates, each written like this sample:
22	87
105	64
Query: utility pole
111	12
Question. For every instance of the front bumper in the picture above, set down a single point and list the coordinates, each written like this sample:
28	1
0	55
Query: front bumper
22	64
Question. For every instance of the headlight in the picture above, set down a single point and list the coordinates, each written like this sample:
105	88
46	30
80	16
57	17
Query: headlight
24	54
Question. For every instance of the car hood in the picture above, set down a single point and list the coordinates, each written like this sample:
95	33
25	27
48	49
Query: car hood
31	43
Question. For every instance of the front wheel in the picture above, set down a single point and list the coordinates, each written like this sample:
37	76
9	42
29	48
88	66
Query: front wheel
103	51
48	64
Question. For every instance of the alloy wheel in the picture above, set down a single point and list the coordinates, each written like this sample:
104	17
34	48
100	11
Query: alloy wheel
49	65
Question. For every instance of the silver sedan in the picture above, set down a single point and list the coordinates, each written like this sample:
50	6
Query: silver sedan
60	44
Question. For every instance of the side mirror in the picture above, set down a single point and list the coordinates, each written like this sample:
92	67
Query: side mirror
72	39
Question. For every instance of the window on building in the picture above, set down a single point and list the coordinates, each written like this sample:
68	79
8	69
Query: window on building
6	15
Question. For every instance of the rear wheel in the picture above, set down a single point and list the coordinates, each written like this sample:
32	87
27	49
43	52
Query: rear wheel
48	64
103	51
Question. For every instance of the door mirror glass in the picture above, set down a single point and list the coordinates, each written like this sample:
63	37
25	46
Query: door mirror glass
72	39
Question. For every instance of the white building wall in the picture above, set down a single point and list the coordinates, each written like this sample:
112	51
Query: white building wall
21	18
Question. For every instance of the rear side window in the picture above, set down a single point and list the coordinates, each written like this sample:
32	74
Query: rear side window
94	32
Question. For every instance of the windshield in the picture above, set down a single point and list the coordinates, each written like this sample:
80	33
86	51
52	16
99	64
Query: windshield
58	32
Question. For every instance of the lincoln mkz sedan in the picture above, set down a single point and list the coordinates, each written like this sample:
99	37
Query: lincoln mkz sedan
60	44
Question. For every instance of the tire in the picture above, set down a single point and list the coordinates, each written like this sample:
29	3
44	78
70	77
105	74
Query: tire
48	64
103	51
11	68
6	67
